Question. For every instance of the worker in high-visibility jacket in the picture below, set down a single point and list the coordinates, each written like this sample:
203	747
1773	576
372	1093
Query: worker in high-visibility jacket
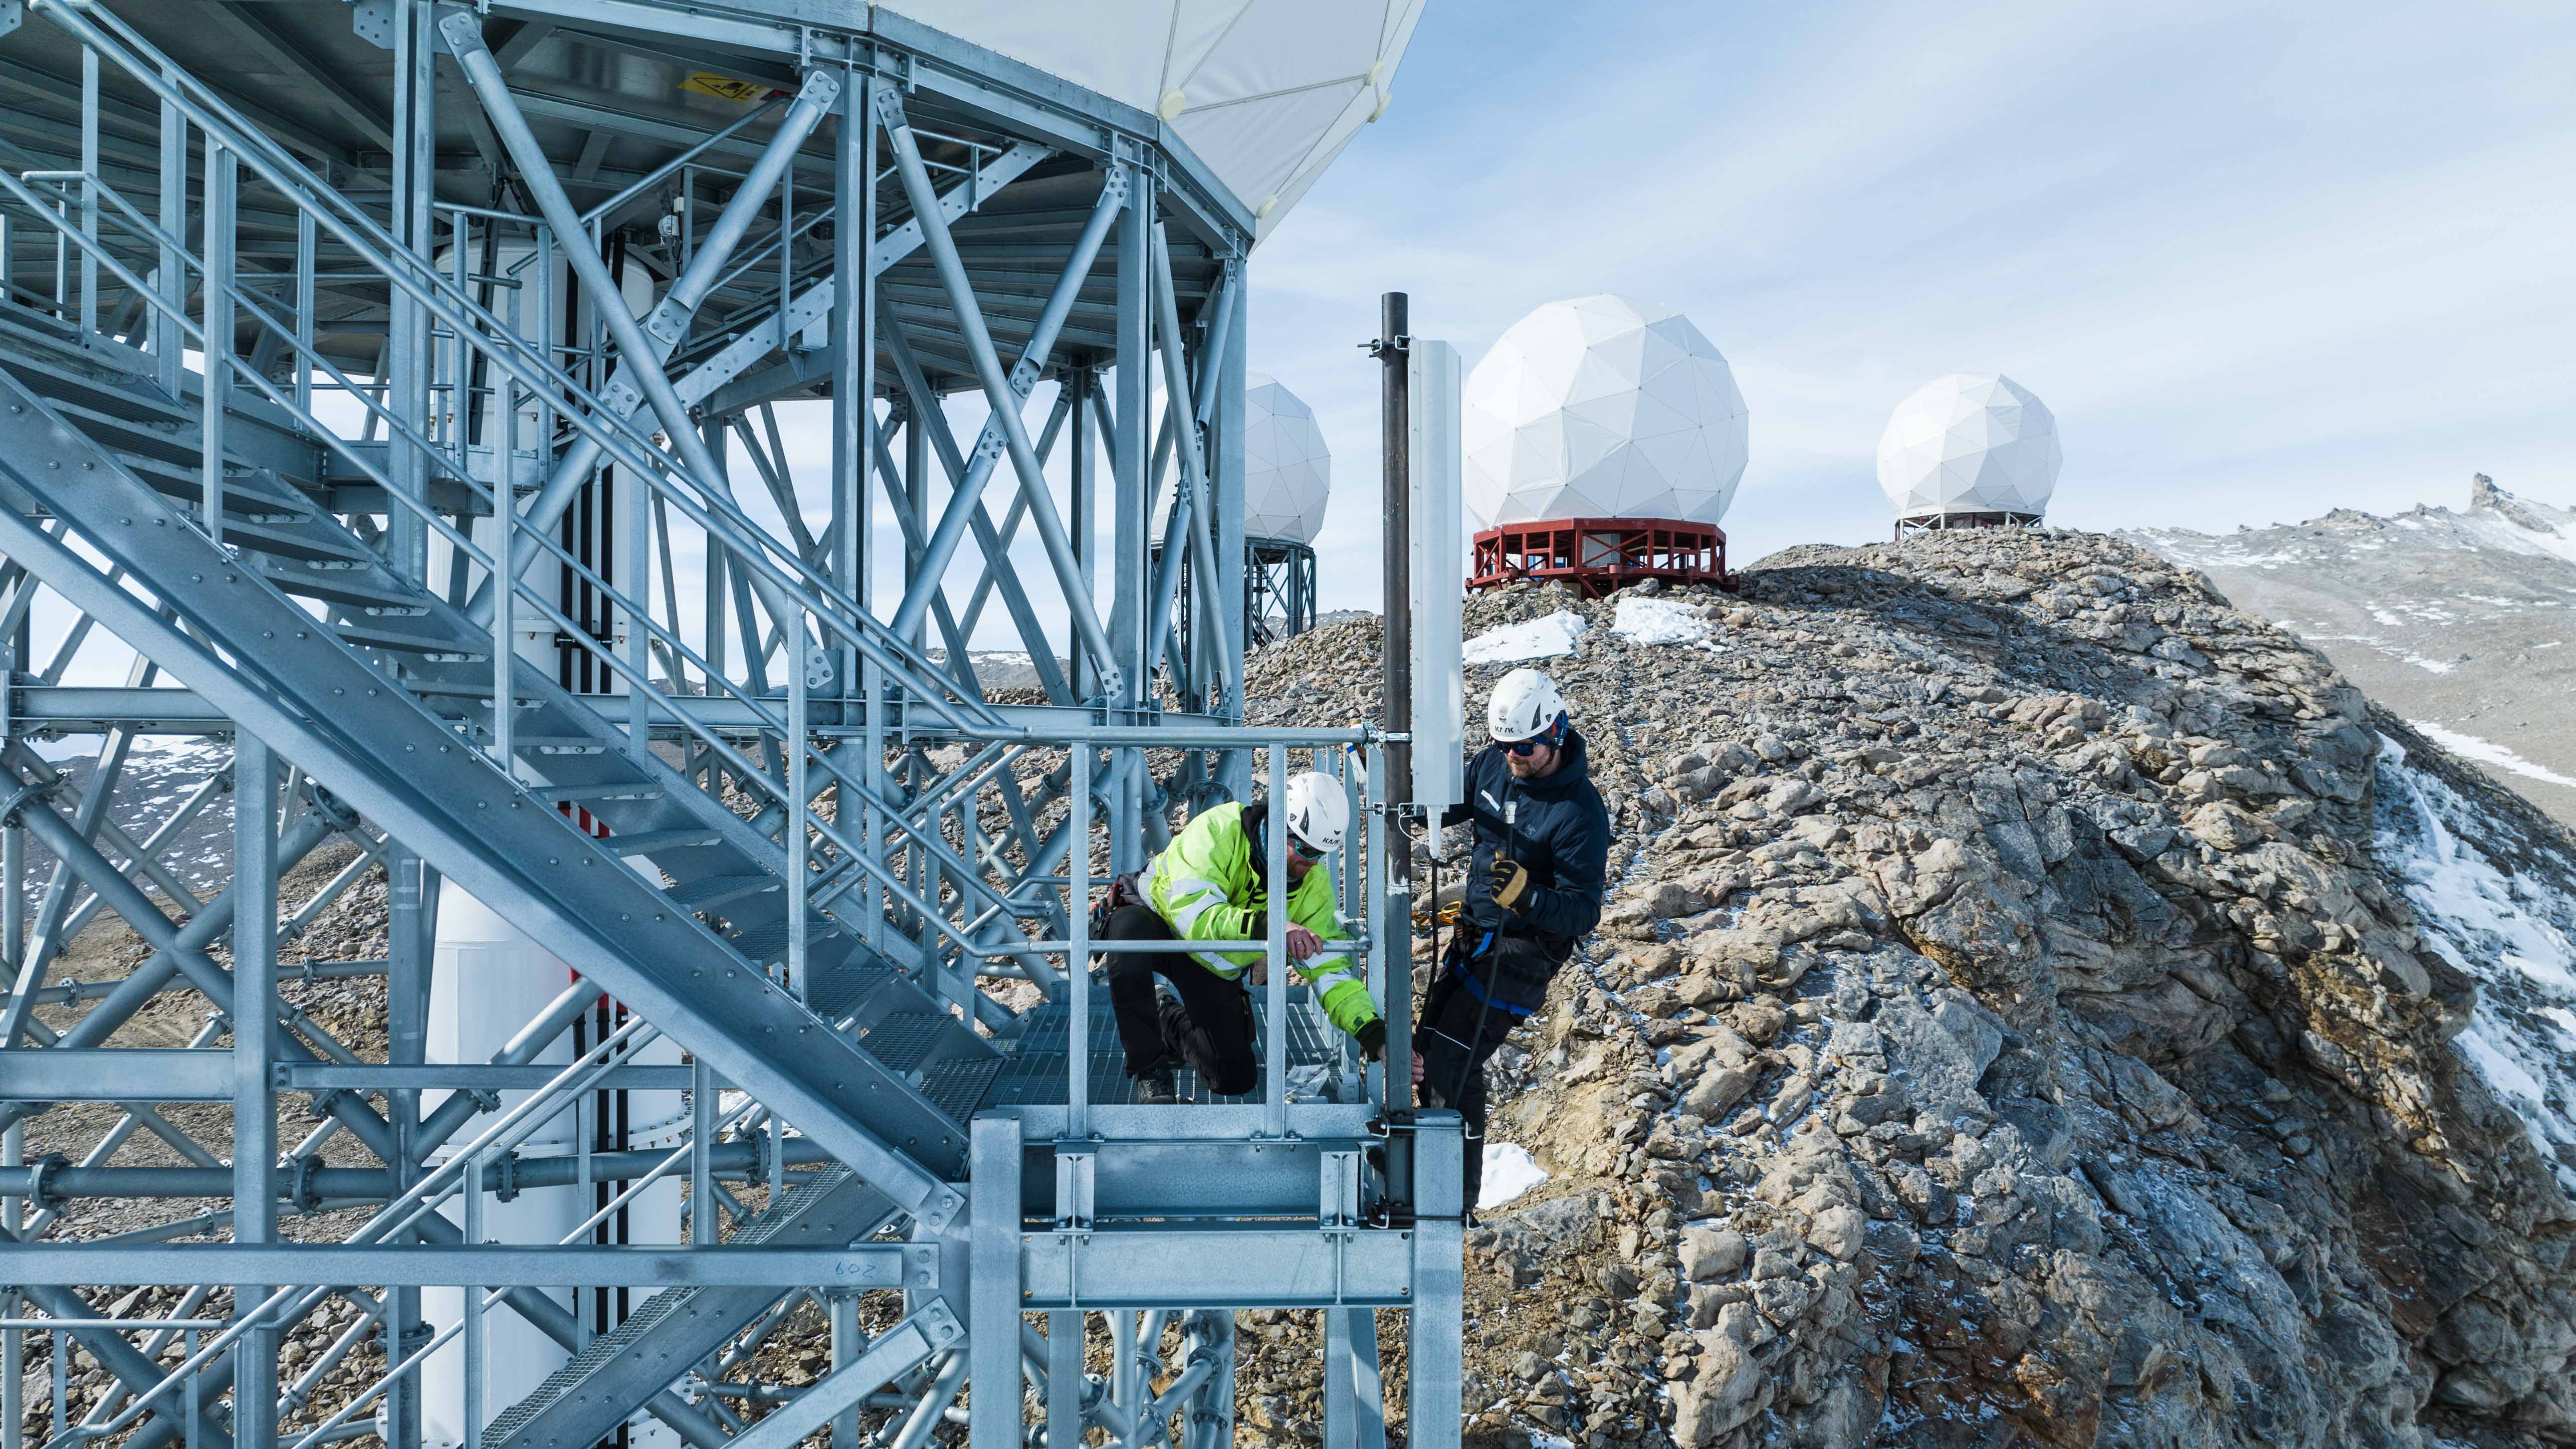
1213	885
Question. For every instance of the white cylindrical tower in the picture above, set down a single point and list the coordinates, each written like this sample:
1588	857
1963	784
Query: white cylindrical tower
488	978
549	310
487	982
1971	449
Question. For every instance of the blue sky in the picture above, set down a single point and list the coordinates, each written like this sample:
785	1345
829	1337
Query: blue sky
2262	261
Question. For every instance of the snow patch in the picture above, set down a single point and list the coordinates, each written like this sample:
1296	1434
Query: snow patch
2489	752
1548	638
1509	1172
2514	934
1658	621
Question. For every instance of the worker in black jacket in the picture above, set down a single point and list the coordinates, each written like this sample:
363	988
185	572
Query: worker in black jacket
1533	891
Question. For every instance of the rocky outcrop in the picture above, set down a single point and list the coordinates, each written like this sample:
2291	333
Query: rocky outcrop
2002	1031
2455	619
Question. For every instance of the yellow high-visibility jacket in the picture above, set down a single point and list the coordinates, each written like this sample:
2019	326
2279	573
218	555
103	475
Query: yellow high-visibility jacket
1205	889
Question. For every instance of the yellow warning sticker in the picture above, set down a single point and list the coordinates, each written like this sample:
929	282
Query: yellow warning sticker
708	83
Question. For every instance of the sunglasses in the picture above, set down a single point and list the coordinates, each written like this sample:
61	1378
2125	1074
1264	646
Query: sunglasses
1302	850
1552	737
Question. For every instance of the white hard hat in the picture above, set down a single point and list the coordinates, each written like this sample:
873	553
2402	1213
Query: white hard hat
1319	813
1525	705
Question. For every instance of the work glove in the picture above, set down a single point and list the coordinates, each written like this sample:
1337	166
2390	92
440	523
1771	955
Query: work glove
1372	1040
1506	881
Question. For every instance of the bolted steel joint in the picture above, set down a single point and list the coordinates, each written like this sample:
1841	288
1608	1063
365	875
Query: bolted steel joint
39	1173
299	1182
461	26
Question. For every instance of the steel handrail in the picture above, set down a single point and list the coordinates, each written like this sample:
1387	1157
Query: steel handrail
429	448
955	866
755	546
958	870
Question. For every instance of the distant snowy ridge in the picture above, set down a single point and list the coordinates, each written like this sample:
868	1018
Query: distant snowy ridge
2456	618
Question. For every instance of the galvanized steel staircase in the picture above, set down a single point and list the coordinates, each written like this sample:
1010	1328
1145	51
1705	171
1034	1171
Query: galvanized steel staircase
585	1400
358	675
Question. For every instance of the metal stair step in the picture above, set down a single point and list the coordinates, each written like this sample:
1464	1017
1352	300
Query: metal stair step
558	745
291	541
709	892
957	1086
467	689
585	1400
184	481
653	842
904	1040
444	651
836	990
339	583
599	790
762	945
170	442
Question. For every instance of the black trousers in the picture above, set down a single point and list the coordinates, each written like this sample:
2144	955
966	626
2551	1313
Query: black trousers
1210	1027
1458	1034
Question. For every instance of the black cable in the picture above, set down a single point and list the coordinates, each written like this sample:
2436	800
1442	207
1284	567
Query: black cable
1484	1017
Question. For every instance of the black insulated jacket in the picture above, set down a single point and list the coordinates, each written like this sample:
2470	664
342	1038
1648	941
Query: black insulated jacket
1558	830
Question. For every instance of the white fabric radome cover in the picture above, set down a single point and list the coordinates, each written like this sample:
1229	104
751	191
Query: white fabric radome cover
1287	470
1266	93
1602	407
1972	442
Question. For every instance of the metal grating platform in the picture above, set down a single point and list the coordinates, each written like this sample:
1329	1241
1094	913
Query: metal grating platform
1036	1076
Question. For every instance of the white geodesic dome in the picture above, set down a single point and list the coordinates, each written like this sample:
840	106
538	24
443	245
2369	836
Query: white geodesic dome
1972	442
1602	407
1287	470
1267	94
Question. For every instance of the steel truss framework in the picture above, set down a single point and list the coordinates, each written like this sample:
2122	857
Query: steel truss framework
1278	592
1936	522
331	407
1598	556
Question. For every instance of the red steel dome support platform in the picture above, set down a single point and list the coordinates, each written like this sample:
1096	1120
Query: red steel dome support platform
1595	556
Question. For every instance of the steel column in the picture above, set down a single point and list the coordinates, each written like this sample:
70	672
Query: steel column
993	1317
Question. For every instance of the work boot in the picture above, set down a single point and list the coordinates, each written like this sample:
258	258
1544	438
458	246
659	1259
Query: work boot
1154	1087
